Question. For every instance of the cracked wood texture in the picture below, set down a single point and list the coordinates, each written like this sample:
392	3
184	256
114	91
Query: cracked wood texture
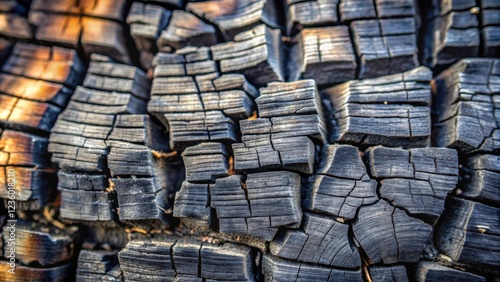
249	140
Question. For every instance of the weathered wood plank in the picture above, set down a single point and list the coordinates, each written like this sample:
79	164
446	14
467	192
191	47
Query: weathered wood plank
89	206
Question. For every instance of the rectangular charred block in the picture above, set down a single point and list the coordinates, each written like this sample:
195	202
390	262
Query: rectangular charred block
27	115
147	261
321	240
185	29
86	102
468	232
98	266
432	271
385	46
341	184
43	245
481	181
93	35
142	201
388	235
91	206
416	180
206	162
384	273
466	102
34	187
88	182
304	14
255	53
113	9
281	270
258	205
227	262
391	110
146	21
15	26
233	17
23	149
192	201
191	128
58	65
64	272
324	54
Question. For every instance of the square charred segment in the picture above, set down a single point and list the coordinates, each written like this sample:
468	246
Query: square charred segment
341	184
481	178
290	123
284	270
321	240
195	102
206	162
466	106
324	54
259	205
188	260
256	53
392	110
88	26
466	231
416	180
235	16
460	29
98	265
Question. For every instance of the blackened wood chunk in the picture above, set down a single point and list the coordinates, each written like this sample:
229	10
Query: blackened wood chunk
15	26
468	232
94	35
58	65
258	206
35	187
281	270
22	149
391	110
255	53
206	162
117	77
230	261
385	46
289	98
483	182
142	201
186	257
104	103
433	272
324	54
342	184
322	240
465	107
191	128
27	115
452	33
388	235
82	181
43	245
185	29
81	205
193	201
34	89
140	130
416	180
59	273
98	266
113	9
235	16
146	21
396	273
357	10
147	261
491	41
302	14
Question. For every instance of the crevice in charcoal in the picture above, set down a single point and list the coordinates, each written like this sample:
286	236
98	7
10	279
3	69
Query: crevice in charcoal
359	60
133	53
172	256
287	44
480	25
199	260
365	259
